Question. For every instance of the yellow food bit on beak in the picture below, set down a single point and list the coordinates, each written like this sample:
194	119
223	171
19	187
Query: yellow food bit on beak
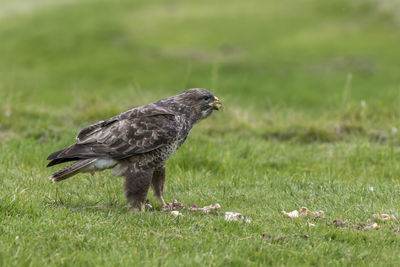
217	104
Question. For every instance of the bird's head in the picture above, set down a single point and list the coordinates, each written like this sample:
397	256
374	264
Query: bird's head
201	102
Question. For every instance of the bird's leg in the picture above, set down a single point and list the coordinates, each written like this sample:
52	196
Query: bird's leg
137	184
142	207
157	183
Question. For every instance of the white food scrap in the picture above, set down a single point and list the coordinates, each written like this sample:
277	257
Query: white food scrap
205	209
176	205
176	213
370	227
236	217
211	207
292	214
303	212
384	217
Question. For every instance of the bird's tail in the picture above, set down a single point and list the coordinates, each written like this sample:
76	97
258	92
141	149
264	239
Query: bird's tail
71	170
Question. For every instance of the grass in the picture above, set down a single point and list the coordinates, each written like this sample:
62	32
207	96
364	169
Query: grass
311	91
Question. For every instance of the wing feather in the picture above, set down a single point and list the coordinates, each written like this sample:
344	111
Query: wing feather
134	132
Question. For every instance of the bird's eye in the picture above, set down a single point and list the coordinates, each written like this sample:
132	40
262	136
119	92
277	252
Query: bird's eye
207	97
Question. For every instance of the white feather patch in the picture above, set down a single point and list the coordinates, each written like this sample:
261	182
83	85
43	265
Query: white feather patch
100	164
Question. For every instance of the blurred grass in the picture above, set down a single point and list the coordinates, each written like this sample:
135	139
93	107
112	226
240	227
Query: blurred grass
311	91
283	55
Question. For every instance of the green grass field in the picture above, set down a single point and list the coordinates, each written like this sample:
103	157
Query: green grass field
312	107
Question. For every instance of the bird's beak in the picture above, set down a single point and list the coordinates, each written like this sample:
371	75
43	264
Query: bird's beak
216	104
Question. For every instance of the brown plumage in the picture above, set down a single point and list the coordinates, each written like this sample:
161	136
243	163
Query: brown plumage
137	143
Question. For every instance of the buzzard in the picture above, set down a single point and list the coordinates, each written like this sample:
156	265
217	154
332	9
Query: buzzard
137	143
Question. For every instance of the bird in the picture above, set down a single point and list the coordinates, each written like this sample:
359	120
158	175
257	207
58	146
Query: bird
137	143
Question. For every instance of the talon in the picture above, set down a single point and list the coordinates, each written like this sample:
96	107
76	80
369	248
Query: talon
142	207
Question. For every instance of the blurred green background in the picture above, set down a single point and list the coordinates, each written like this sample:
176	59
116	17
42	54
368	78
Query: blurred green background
289	65
311	91
284	54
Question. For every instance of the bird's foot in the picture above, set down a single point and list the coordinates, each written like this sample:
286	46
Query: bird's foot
161	199
142	207
163	204
139	206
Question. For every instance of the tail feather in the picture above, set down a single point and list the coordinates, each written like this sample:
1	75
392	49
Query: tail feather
54	155
70	170
62	160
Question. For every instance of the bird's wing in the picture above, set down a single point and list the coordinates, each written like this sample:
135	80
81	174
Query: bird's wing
133	132
144	111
